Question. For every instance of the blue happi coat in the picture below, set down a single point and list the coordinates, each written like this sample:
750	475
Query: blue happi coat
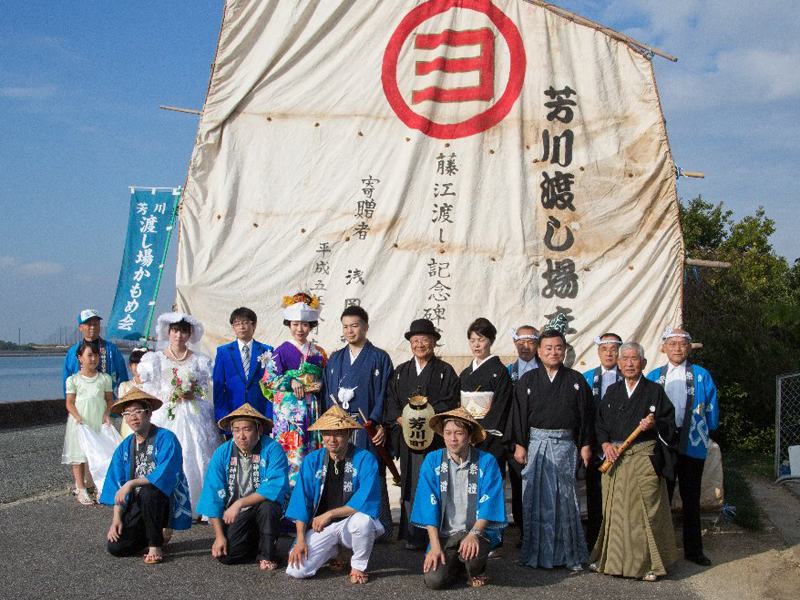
368	375
704	414
366	493
168	475
273	471
428	509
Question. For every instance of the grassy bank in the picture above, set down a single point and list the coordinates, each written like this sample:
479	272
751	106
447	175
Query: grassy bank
737	491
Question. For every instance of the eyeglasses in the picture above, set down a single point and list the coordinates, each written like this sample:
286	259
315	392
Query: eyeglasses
136	412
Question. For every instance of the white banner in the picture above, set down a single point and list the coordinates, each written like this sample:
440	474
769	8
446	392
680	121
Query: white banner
448	159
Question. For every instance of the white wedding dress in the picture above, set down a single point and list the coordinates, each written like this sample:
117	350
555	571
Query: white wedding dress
193	420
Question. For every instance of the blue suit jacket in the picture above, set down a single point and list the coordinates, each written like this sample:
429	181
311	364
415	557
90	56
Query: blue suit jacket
231	389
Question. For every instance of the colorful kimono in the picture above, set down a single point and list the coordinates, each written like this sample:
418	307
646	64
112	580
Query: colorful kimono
487	496
220	484
167	476
361	485
292	415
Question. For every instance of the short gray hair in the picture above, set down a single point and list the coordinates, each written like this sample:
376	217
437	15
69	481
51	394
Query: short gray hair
633	346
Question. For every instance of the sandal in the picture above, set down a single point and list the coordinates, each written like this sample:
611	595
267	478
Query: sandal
358	578
267	565
477	581
153	559
650	577
84	498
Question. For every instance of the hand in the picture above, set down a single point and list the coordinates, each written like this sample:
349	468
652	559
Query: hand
647	423
610	450
321	522
432	559
298	553
469	546
219	547
78	420
399	421
380	436
122	494
520	455
586	455
229	516
298	389
114	531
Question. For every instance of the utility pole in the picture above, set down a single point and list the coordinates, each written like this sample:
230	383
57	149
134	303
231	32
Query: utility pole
19	336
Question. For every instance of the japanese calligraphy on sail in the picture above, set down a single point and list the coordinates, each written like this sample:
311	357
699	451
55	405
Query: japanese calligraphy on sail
446	159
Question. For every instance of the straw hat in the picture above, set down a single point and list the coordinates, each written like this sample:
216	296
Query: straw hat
135	395
437	423
244	412
335	419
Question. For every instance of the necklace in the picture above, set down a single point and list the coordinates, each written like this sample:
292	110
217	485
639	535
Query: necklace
175	356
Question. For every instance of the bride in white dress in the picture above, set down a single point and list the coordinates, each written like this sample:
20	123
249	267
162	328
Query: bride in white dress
180	378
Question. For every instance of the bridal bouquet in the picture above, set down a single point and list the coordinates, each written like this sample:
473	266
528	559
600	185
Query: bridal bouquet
184	383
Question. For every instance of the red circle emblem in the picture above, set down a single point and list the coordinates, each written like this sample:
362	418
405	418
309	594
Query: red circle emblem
480	122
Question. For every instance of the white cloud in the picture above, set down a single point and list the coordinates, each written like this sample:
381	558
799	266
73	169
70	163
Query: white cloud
28	92
7	261
40	268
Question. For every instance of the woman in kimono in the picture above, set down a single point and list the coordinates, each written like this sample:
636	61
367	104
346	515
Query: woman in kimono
179	377
292	378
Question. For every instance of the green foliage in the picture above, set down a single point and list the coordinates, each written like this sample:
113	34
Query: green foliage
12	347
747	317
739	494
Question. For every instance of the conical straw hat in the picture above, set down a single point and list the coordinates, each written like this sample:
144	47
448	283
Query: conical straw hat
135	395
245	411
437	423
335	419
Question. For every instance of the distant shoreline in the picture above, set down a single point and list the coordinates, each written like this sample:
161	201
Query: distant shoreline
32	353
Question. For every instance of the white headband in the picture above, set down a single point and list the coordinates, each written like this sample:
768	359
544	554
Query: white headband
599	341
526	336
669	332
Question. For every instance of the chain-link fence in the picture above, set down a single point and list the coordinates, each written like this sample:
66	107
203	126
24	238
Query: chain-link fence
787	424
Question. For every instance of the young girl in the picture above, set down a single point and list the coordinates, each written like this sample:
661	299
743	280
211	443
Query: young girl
133	364
292	379
89	397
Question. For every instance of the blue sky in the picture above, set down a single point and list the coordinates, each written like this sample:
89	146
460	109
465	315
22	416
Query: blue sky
80	85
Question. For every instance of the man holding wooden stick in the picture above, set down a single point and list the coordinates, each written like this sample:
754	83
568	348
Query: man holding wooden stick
636	538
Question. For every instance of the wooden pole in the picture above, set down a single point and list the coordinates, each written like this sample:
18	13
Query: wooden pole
610	32
183	110
714	264
693	174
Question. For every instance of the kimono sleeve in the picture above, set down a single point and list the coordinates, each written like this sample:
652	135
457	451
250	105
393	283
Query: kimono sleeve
301	503
654	374
518	431
425	511
449	391
497	417
393	407
712	405
169	463
491	503
601	426
274	378
213	496
386	370
665	419
366	496
587	411
275	475
116	475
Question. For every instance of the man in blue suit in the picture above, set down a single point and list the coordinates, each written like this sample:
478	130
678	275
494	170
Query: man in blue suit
239	367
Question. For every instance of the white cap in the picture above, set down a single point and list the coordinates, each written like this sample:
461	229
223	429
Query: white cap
86	314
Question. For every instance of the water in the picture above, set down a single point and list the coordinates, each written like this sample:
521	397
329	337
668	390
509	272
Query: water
31	378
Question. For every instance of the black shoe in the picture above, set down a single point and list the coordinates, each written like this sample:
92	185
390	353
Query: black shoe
700	559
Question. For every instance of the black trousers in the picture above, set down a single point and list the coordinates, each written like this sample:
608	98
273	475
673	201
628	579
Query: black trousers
454	565
689	472
254	534
515	479
594	501
145	516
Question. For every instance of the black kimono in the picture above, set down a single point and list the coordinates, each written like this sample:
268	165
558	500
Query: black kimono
492	376
618	415
564	403
439	383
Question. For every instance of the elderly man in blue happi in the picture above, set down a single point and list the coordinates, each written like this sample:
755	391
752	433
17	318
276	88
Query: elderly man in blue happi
244	490
459	500
694	396
335	502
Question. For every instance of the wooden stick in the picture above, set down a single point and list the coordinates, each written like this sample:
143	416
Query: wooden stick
714	264
693	174
624	446
387	460
183	110
610	32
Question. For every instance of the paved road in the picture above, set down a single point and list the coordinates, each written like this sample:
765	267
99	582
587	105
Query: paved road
54	548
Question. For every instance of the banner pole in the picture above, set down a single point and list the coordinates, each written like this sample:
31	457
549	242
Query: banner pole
161	266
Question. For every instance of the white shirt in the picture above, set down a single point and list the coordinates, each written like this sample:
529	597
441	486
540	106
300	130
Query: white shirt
609	377
241	349
525	366
675	386
630	390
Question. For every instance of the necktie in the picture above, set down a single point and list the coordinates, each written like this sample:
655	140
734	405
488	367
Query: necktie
246	360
